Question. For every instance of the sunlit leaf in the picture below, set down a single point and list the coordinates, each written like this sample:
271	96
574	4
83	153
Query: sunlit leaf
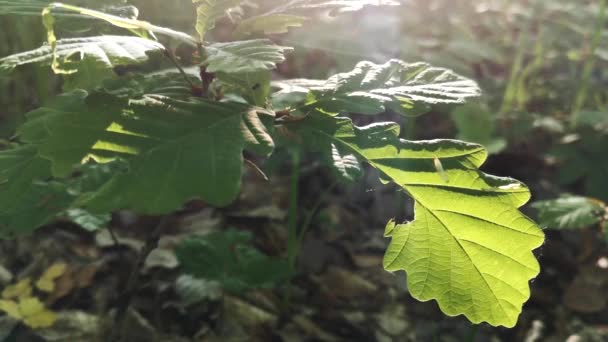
137	26
469	247
269	24
208	11
244	56
94	58
373	88
294	12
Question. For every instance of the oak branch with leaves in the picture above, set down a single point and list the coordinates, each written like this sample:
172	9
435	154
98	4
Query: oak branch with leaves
150	142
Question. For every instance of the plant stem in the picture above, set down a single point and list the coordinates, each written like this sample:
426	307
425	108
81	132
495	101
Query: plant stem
583	89
132	283
518	64
172	58
311	215
292	218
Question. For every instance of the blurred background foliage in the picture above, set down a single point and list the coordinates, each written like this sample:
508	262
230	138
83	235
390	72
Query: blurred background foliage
543	66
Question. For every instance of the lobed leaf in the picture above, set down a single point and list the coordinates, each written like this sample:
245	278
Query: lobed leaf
177	149
94	58
293	13
373	88
469	247
208	11
244	56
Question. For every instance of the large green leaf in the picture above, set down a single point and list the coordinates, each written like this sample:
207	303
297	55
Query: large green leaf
293	13
570	212
93	58
229	258
35	7
177	149
140	27
373	88
244	56
28	199
208	11
253	87
469	247
26	202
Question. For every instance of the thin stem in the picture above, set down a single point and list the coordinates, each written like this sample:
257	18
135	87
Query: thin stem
133	281
292	218
311	215
518	64
583	89
256	168
171	56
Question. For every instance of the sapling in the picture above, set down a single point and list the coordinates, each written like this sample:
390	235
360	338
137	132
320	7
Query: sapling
469	247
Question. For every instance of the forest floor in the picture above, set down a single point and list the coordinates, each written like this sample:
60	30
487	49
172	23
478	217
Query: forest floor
341	292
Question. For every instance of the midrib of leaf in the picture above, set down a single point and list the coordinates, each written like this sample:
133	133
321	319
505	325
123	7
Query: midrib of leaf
427	209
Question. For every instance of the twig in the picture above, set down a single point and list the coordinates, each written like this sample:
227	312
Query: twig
113	236
257	169
171	56
133	281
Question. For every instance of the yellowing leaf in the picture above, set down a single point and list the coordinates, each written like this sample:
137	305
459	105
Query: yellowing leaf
11	308
30	306
22	289
46	282
29	310
42	319
34	314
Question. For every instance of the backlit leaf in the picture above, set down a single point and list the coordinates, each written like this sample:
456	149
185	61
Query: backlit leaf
244	56
208	11
373	88
294	12
95	55
469	247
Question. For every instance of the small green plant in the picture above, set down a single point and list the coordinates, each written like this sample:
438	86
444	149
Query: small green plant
173	135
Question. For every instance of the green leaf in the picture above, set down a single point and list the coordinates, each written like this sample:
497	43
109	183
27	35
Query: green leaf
469	247
87	220
244	56
583	160
570	212
373	88
35	7
208	11
475	123
228	258
177	149
293	13
94	58
142	28
26	202
253	87
29	200
269	24
66	130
